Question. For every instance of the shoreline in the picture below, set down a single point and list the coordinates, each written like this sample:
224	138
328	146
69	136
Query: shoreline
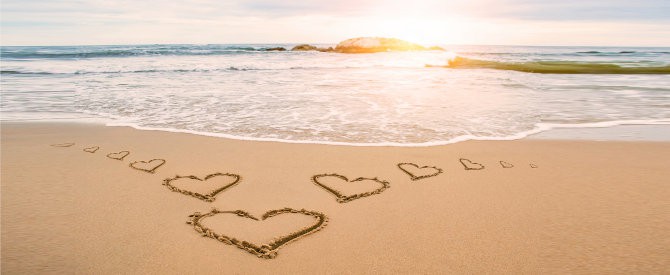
564	206
625	130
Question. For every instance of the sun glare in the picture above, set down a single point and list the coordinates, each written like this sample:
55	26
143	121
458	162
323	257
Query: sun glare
425	31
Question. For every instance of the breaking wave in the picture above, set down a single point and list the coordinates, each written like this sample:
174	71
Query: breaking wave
554	67
84	52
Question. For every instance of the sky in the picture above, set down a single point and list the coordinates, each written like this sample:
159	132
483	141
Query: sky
481	22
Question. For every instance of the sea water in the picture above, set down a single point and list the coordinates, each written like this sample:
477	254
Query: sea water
389	98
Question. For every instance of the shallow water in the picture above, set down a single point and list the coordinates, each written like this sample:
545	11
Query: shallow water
385	98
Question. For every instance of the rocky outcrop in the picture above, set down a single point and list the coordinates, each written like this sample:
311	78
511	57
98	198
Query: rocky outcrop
304	47
369	45
276	49
307	47
376	44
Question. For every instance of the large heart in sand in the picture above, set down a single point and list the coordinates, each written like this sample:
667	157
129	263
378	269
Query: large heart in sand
268	250
119	155
205	197
341	198
416	173
469	165
147	166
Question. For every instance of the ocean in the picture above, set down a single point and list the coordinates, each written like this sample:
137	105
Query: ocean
390	98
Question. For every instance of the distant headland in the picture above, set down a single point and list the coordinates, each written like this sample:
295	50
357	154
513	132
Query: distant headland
365	45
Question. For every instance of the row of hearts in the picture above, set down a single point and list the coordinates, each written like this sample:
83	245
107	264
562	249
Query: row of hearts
118	156
342	198
270	250
467	164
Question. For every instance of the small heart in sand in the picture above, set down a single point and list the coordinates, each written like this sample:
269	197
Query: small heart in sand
533	166
147	166
505	164
91	149
268	250
69	144
341	198
419	172
234	179
469	165
119	155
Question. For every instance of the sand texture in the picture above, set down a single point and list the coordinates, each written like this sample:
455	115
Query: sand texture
89	199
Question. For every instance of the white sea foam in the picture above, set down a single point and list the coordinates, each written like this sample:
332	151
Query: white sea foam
540	127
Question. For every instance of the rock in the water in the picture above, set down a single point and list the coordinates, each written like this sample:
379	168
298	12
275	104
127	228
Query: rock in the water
368	45
304	47
277	49
376	44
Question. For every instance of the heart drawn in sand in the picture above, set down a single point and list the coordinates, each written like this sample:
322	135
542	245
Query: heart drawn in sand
505	164
147	166
205	197
419	172
533	166
91	149
119	155
268	250
69	144
341	198
469	165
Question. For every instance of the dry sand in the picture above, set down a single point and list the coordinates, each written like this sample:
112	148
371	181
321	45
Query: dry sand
588	207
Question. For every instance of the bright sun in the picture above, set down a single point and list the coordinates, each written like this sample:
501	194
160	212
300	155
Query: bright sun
424	31
426	22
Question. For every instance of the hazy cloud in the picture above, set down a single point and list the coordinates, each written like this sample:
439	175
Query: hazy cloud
228	21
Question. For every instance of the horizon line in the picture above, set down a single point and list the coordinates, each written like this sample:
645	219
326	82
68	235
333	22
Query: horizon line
327	43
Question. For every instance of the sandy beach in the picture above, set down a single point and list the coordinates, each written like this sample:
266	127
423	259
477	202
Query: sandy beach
564	206
334	137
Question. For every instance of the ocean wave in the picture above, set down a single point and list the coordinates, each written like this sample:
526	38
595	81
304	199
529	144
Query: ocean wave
553	67
105	52
13	72
623	52
230	68
101	54
619	52
197	70
567	53
80	72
